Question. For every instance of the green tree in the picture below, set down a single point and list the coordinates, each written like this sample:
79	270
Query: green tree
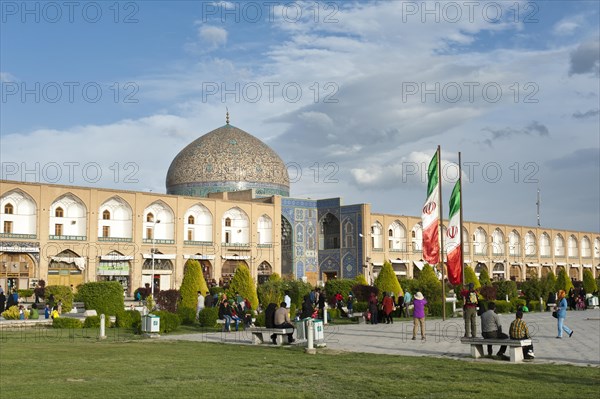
360	279
548	284
270	292
193	281
484	277
563	282
471	277
589	284
532	289
429	284
387	281
274	277
243	283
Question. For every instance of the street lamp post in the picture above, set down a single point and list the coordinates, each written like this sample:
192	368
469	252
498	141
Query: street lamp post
152	252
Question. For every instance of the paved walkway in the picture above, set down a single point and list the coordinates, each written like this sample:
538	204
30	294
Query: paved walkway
443	338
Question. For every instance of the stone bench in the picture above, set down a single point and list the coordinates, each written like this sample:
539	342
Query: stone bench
259	333
514	346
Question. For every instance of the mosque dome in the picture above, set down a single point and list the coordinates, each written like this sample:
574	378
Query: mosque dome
227	159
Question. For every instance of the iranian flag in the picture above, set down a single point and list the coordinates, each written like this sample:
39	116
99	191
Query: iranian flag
430	216
453	238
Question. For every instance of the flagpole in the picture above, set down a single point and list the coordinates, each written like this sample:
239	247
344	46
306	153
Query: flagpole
462	262
441	232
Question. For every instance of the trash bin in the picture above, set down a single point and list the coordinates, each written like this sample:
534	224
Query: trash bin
300	329
150	323
318	327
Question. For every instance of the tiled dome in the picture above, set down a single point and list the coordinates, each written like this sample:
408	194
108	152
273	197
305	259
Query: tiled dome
227	159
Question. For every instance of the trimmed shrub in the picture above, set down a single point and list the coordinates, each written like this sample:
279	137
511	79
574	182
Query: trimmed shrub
187	315
387	281
435	309
589	284
243	283
503	307
563	282
548	283
363	292
297	289
208	317
360	306
168	321
344	286
488	292
193	281
129	319
471	277
65	295
506	287
106	297
91	322
333	313
429	285
274	277
260	320
216	290
168	299
25	293
66	322
11	313
534	306
515	303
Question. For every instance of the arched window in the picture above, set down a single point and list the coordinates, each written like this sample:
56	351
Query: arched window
106	215
376	236
150	217
59	213
8	209
191	219
227	222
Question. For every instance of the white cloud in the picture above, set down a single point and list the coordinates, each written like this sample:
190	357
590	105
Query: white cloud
7	77
568	26
212	36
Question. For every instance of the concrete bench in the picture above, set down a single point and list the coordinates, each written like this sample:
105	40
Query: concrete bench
259	333
514	346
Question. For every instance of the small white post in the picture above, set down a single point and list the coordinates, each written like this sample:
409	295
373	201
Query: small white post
102	326
542	304
506	297
310	334
325	313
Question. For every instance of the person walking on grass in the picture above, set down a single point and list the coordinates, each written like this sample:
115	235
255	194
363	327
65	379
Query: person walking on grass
561	312
419	303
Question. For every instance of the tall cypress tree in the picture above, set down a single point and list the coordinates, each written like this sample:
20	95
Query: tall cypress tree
243	283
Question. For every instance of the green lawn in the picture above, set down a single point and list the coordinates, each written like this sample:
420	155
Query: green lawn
51	364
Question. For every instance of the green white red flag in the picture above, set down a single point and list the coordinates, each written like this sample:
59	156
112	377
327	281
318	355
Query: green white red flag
454	239
431	215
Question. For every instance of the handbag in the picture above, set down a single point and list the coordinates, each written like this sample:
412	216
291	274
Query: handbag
555	314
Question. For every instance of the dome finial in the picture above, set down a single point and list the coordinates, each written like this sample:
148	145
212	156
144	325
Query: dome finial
227	116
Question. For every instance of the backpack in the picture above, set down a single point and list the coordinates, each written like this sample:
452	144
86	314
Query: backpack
471	298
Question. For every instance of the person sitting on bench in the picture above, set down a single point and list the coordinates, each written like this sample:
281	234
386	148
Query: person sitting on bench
518	330
491	329
282	320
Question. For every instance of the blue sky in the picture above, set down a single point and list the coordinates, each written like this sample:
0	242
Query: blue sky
379	88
